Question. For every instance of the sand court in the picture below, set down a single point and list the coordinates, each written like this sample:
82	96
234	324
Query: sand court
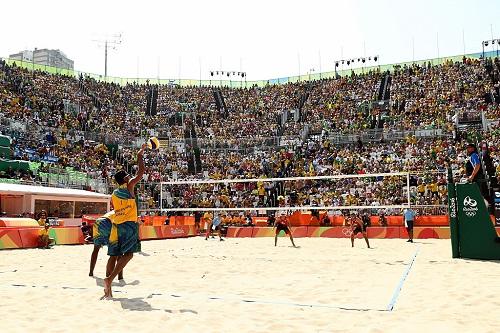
248	285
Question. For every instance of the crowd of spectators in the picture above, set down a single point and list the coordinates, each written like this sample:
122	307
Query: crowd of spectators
50	117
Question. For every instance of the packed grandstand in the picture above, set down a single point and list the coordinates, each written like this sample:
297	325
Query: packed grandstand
76	131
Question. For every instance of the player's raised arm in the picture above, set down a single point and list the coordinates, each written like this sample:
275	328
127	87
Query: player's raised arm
140	172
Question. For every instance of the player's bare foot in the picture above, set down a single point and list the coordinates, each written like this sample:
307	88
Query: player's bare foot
107	288
91	274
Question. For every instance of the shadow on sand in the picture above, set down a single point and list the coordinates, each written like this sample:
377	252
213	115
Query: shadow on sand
100	282
139	304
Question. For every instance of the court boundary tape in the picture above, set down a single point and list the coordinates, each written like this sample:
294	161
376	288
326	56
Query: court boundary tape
397	290
245	299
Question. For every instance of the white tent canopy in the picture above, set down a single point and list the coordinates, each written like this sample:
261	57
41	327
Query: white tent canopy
18	189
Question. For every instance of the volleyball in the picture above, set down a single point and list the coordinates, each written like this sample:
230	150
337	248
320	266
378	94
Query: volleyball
153	143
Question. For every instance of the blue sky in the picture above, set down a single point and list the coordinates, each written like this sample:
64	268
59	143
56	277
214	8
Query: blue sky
264	38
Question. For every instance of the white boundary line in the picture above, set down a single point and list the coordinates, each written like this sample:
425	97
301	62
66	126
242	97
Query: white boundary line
395	295
243	299
170	294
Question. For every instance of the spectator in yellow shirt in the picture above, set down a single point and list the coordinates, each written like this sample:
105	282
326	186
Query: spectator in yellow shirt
434	188
44	241
42	218
421	188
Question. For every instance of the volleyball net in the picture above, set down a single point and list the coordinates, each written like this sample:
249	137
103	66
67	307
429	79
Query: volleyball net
262	196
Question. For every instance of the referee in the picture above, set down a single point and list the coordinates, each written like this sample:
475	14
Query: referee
409	216
474	171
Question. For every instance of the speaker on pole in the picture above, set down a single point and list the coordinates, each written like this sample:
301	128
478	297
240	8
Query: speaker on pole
154	101
148	103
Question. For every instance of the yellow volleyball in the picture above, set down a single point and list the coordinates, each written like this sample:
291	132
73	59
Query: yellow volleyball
153	143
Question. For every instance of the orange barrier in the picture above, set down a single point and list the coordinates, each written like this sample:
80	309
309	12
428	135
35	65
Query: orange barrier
441	220
428	232
239	232
260	221
337	220
345	232
165	231
16	238
18	222
29	237
182	220
10	239
305	219
270	232
383	232
67	235
157	221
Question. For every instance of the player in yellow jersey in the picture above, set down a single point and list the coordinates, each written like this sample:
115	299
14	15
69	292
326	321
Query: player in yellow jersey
124	236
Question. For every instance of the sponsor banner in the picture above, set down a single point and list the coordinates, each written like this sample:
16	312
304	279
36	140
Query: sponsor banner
343	232
497	207
453	207
165	231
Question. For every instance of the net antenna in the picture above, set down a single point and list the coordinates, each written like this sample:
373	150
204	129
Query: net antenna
381	176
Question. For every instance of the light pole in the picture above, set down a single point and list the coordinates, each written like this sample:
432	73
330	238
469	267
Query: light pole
312	70
33	62
485	43
112	43
350	62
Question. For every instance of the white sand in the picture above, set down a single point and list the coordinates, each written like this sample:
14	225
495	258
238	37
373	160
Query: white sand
439	295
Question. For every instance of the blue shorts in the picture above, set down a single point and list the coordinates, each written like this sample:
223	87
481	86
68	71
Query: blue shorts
124	238
101	231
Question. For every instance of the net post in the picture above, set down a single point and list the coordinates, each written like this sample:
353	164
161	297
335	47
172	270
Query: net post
452	210
161	198
408	188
